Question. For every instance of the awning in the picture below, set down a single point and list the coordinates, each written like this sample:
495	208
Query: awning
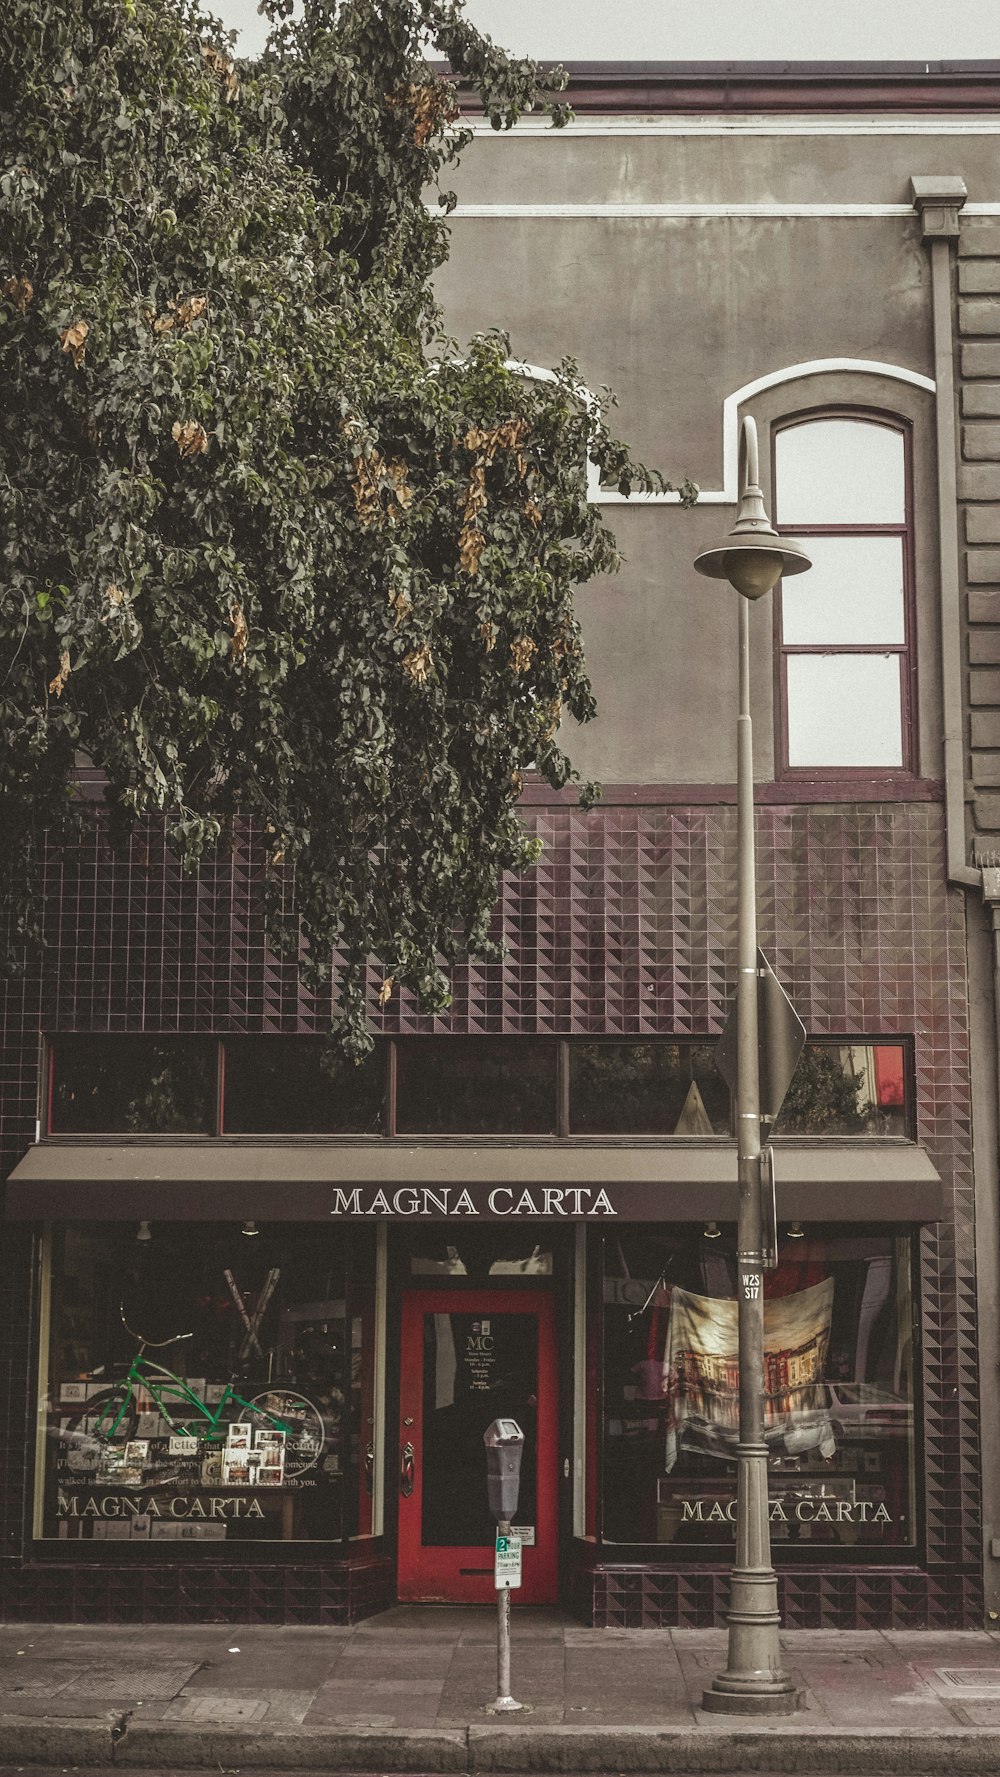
400	1181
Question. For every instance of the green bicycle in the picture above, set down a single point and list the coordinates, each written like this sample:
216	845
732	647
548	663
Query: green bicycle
112	1417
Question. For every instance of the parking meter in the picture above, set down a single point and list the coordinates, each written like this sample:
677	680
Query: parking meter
504	1442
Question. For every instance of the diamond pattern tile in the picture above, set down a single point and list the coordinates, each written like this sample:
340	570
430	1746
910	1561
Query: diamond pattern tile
628	926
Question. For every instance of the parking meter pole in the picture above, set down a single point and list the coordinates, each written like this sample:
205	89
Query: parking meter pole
504	1702
504	1441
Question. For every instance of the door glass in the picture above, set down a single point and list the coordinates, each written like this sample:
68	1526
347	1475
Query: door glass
477	1368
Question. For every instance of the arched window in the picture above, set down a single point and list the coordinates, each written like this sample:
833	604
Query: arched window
842	484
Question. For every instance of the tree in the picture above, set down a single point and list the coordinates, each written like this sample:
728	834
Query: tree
274	548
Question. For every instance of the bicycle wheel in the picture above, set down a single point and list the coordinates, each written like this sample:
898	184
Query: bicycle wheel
284	1409
92	1427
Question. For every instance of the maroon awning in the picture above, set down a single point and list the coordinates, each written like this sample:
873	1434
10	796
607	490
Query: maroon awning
369	1180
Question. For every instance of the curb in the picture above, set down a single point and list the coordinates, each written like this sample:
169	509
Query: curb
61	1740
696	1752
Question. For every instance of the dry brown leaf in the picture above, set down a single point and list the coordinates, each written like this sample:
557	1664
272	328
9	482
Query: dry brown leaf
20	291
188	309
372	474
488	636
366	489
475	493
521	650
114	594
397	472
471	544
223	67
532	512
240	631
190	436
418	663
401	604
58	685
431	106
385	991
517	782
506	435
164	323
555	711
74	340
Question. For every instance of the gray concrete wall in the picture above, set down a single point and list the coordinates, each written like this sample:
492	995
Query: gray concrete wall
675	313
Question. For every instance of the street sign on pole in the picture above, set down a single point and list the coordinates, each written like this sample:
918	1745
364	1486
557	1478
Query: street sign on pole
507	1565
780	1041
768	1209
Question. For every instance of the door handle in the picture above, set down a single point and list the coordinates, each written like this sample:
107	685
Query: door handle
370	1470
406	1470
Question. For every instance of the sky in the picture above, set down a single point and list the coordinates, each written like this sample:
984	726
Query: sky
716	30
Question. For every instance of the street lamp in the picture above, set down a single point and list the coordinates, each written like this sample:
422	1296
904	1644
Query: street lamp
752	558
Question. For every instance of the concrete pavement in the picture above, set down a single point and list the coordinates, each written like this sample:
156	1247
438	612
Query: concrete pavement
407	1691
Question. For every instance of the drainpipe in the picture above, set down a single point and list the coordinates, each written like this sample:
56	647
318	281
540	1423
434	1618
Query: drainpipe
937	201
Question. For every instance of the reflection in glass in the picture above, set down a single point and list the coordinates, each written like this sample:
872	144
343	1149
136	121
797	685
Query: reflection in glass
846	1089
839	1384
476	1369
852	594
125	1085
839	471
476	1086
653	1088
301	1085
503	1252
249	1429
844	709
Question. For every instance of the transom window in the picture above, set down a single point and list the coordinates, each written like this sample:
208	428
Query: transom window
842	484
455	1085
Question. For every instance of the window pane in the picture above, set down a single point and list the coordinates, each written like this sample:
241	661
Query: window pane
853	593
475	1086
844	709
839	1369
847	1089
458	1374
133	1085
839	471
300	1086
252	1428
653	1088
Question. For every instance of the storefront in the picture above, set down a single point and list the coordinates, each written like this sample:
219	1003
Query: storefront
278	1357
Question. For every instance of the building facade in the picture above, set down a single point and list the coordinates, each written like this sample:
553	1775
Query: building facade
257	1311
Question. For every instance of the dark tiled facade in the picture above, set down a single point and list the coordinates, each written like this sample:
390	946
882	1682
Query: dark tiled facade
626	927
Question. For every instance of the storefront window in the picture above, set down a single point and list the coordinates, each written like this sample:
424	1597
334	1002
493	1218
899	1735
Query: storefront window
839	1388
208	1383
654	1088
115	1085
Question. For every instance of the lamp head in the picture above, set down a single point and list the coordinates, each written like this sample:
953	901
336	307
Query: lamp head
753	561
752	557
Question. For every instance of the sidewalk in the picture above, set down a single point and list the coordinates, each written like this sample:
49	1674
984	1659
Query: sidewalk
406	1691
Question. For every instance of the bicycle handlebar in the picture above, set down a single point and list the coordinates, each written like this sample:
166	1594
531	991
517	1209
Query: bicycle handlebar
157	1344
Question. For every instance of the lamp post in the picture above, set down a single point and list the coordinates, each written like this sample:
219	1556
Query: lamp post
752	558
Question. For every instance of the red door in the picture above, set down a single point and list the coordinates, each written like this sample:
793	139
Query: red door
469	1357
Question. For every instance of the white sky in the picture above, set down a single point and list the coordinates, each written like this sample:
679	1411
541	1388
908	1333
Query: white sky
716	30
